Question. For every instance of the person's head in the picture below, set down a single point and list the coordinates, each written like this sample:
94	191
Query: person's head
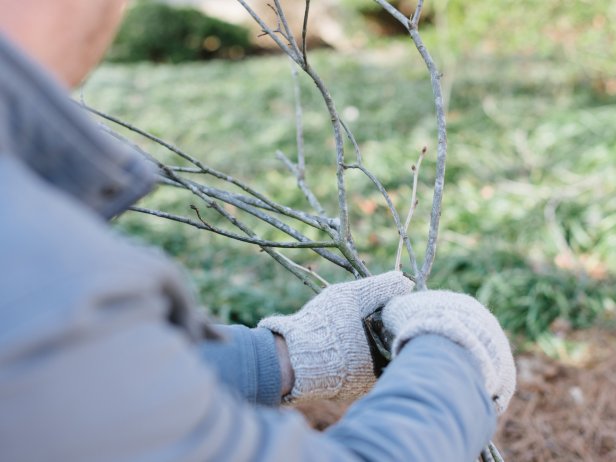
68	37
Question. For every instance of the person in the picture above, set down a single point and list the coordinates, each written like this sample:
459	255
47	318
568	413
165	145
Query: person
103	356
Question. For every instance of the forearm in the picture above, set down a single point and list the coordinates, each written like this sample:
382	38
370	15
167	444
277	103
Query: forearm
430	404
251	363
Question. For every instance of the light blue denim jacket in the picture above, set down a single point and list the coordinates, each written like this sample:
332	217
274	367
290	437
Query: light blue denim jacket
103	356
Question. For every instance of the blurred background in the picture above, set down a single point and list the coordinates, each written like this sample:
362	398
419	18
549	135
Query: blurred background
529	215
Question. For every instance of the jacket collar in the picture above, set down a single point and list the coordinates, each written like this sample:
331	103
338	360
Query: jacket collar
40	125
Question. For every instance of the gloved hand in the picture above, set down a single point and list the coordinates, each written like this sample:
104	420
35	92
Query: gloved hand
326	340
463	320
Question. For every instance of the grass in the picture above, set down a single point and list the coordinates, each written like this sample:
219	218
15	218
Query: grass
529	217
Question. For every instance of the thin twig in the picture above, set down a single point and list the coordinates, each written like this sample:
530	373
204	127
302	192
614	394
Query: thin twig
347	246
293	168
301	183
278	28
309	271
285	24
343	210
299	169
414	202
281	29
179	168
401	231
266	29
259	242
299	122
353	140
305	31
417	15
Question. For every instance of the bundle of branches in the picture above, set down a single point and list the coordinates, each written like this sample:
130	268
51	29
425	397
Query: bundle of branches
338	245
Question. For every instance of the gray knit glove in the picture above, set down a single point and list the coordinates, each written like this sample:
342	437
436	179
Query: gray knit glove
327	343
463	320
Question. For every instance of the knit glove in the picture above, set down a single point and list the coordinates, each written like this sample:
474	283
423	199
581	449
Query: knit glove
463	320
327	343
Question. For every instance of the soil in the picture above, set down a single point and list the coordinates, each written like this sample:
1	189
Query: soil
564	409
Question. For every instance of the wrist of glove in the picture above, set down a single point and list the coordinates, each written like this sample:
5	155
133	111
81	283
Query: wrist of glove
466	322
326	340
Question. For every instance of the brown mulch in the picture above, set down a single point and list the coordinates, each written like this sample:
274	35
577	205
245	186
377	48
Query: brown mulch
564	410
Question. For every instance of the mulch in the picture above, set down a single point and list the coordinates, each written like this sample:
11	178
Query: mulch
564	409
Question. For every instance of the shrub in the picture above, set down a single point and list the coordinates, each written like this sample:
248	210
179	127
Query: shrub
158	32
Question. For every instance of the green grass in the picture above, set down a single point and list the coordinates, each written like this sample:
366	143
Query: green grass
529	216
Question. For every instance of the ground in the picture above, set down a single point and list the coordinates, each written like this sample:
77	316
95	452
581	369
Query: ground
564	409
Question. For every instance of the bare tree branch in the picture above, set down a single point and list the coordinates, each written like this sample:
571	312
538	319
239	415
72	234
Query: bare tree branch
246	203
261	207
299	170
441	158
234	221
435	77
201	224
258	203
347	246
402	231
284	210
281	259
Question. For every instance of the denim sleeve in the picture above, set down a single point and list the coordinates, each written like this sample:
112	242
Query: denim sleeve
430	404
246	362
